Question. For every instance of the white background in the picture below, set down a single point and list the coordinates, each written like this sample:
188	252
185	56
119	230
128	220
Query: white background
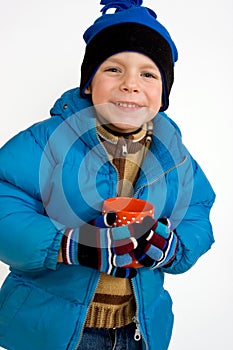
41	52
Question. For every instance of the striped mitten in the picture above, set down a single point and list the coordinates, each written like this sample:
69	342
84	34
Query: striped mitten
157	248
97	247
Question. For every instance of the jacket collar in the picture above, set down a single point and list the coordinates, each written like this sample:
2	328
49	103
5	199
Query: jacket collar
166	148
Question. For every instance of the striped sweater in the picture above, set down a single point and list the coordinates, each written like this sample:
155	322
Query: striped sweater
113	304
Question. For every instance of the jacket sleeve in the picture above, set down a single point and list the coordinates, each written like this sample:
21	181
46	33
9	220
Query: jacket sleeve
29	240
194	230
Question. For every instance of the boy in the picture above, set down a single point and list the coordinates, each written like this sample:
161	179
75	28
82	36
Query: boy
72	284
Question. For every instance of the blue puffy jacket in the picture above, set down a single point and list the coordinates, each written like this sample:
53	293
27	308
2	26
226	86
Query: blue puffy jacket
56	174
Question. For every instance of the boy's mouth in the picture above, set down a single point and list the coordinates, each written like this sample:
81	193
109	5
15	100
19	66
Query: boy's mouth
127	105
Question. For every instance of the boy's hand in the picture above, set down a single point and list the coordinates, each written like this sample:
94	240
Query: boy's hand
156	248
98	247
112	250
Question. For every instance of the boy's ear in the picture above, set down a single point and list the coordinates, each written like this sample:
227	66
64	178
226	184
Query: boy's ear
88	90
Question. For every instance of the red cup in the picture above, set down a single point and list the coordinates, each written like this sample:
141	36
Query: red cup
128	210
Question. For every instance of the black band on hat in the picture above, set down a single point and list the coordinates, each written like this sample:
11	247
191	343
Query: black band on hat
129	37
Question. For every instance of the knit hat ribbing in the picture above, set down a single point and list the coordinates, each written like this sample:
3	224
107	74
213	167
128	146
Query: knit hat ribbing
131	28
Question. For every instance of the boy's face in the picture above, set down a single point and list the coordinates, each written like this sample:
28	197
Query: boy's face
126	91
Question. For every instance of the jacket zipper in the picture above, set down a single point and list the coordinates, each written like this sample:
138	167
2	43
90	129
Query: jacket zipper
137	334
83	326
162	175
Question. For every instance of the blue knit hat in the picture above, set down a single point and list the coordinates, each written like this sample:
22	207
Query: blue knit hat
131	27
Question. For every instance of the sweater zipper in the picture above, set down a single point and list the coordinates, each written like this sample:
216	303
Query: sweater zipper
124	150
137	334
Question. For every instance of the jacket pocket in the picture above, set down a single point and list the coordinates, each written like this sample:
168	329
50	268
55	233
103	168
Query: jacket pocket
31	318
12	297
161	322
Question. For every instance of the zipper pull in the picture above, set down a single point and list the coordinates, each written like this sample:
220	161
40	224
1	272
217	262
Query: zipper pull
137	334
124	150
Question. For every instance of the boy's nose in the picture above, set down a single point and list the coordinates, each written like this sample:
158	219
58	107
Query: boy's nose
129	84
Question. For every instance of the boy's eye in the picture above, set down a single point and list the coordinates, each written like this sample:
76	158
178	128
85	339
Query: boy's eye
112	69
149	75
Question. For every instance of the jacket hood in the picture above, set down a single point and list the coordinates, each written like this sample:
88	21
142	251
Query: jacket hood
72	101
79	114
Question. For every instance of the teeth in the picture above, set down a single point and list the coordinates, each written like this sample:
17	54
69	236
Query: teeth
128	105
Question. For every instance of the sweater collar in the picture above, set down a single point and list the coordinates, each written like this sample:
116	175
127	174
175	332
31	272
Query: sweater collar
113	137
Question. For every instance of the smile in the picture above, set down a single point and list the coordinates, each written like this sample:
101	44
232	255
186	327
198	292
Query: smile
127	105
